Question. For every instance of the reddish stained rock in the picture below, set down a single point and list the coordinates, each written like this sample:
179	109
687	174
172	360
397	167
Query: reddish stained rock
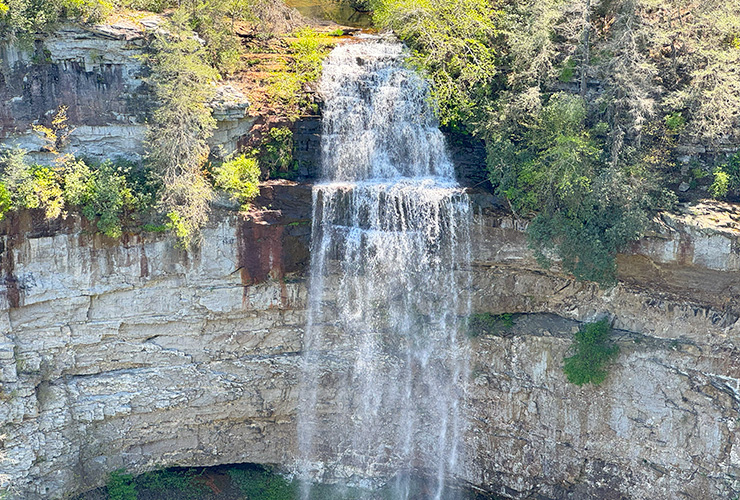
260	247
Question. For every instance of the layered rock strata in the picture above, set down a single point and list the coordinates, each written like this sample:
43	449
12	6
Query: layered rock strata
131	353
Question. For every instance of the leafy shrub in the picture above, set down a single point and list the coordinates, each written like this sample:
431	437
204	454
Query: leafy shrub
568	70
726	179
240	177
110	199
17	177
48	190
181	481
276	153
260	483
106	194
5	201
592	352
31	186
675	122
121	486
721	185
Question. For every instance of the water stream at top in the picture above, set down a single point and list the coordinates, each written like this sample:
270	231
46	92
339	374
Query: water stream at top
383	370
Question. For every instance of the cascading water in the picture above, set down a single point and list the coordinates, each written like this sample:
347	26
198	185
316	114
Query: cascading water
383	370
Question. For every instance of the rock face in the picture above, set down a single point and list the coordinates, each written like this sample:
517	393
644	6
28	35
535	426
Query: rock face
97	74
135	354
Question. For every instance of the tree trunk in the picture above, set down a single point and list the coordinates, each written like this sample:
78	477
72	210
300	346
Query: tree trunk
585	47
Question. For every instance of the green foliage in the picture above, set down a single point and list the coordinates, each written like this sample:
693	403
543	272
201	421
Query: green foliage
5	200
568	71
489	324
721	185
586	168
454	43
48	191
260	483
31	186
187	198
173	481
121	486
240	177
108	194
288	85
214	21
18	179
26	17
276	153
592	352
727	179
110	198
585	210
555	171
181	125
675	122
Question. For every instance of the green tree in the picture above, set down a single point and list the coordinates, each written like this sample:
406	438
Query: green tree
181	124
454	43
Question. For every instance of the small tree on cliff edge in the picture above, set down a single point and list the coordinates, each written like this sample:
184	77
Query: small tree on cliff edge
182	122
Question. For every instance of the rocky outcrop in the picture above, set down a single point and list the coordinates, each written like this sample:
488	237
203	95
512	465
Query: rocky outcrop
97	73
663	425
135	354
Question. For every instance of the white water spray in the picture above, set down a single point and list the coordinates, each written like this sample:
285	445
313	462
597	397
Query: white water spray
383	369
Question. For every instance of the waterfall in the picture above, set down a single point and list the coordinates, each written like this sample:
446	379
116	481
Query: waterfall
383	368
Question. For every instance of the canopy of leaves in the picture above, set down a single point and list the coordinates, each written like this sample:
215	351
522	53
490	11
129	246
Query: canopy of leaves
582	105
239	177
108	195
22	17
454	42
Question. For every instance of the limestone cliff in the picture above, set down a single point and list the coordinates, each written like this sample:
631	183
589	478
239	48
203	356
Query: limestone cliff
135	354
97	73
